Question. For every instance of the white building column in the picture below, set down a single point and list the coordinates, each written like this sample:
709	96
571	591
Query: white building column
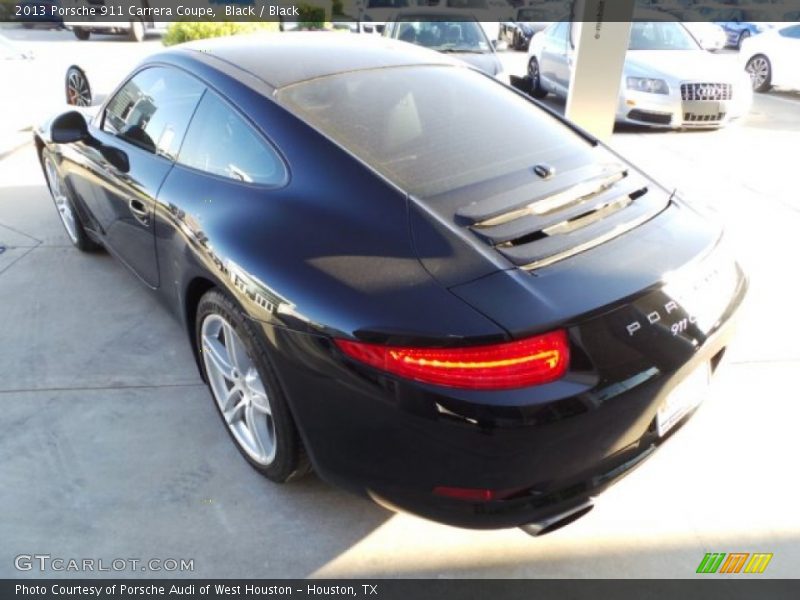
599	40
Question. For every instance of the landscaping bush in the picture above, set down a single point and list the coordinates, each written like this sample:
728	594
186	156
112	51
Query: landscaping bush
186	31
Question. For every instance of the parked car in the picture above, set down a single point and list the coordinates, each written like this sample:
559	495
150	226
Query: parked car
377	12
136	28
668	80
40	14
380	273
90	80
518	33
459	35
772	58
740	23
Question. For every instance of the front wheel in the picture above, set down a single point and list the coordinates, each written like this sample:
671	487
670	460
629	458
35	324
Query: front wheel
760	71
246	391
537	91
81	34
65	206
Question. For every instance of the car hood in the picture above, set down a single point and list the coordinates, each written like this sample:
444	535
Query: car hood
681	65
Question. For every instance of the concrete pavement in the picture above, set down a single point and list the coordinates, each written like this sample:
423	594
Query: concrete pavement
111	447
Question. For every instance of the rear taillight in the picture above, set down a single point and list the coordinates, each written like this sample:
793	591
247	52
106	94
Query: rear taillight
523	363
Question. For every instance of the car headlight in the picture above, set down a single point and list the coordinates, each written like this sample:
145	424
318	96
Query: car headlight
645	84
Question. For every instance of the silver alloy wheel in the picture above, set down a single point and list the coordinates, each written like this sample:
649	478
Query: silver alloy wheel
60	198
758	68
238	389
78	92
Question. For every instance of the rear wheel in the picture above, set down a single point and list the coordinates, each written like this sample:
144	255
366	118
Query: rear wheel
81	33
136	33
246	391
537	91
65	206
760	71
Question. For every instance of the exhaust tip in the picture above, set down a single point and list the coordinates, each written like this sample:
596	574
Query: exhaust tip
551	524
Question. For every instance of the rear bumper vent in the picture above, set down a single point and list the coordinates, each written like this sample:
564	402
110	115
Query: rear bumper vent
548	221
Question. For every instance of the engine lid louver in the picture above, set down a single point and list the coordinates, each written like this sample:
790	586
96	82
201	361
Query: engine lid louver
543	222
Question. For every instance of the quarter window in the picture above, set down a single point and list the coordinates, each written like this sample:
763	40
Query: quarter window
220	142
153	109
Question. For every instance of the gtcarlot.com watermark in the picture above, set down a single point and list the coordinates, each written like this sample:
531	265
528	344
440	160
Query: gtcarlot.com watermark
45	563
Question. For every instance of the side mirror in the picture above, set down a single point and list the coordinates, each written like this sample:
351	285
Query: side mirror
69	128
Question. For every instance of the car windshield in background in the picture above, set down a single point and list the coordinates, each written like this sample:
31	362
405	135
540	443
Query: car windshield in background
661	35
431	129
445	36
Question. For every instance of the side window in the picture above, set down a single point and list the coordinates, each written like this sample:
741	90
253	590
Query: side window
153	109
220	142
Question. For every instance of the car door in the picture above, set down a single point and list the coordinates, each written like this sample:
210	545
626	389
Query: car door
553	65
225	165
134	145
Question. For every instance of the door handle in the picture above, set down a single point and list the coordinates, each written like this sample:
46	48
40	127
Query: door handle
139	211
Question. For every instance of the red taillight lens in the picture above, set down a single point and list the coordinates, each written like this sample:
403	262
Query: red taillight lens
531	361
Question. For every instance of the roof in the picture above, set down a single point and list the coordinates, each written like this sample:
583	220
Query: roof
281	59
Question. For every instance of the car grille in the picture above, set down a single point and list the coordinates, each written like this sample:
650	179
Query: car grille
544	222
703	118
706	91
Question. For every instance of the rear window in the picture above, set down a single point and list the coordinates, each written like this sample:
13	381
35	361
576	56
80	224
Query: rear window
430	129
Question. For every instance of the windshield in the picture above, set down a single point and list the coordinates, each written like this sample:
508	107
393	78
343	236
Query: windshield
444	36
661	35
431	129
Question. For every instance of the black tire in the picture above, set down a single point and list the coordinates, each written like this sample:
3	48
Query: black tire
81	33
537	91
78	237
77	88
760	71
742	37
137	31
27	25
290	461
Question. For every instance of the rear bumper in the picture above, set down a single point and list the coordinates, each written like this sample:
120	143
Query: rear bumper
547	448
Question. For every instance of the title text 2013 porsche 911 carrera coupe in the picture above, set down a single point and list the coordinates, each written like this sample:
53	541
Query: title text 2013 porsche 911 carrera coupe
469	310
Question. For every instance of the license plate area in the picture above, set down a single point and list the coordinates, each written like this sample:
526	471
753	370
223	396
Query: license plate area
684	398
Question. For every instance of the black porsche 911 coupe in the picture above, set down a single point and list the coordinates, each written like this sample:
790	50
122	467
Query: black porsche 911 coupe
402	272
